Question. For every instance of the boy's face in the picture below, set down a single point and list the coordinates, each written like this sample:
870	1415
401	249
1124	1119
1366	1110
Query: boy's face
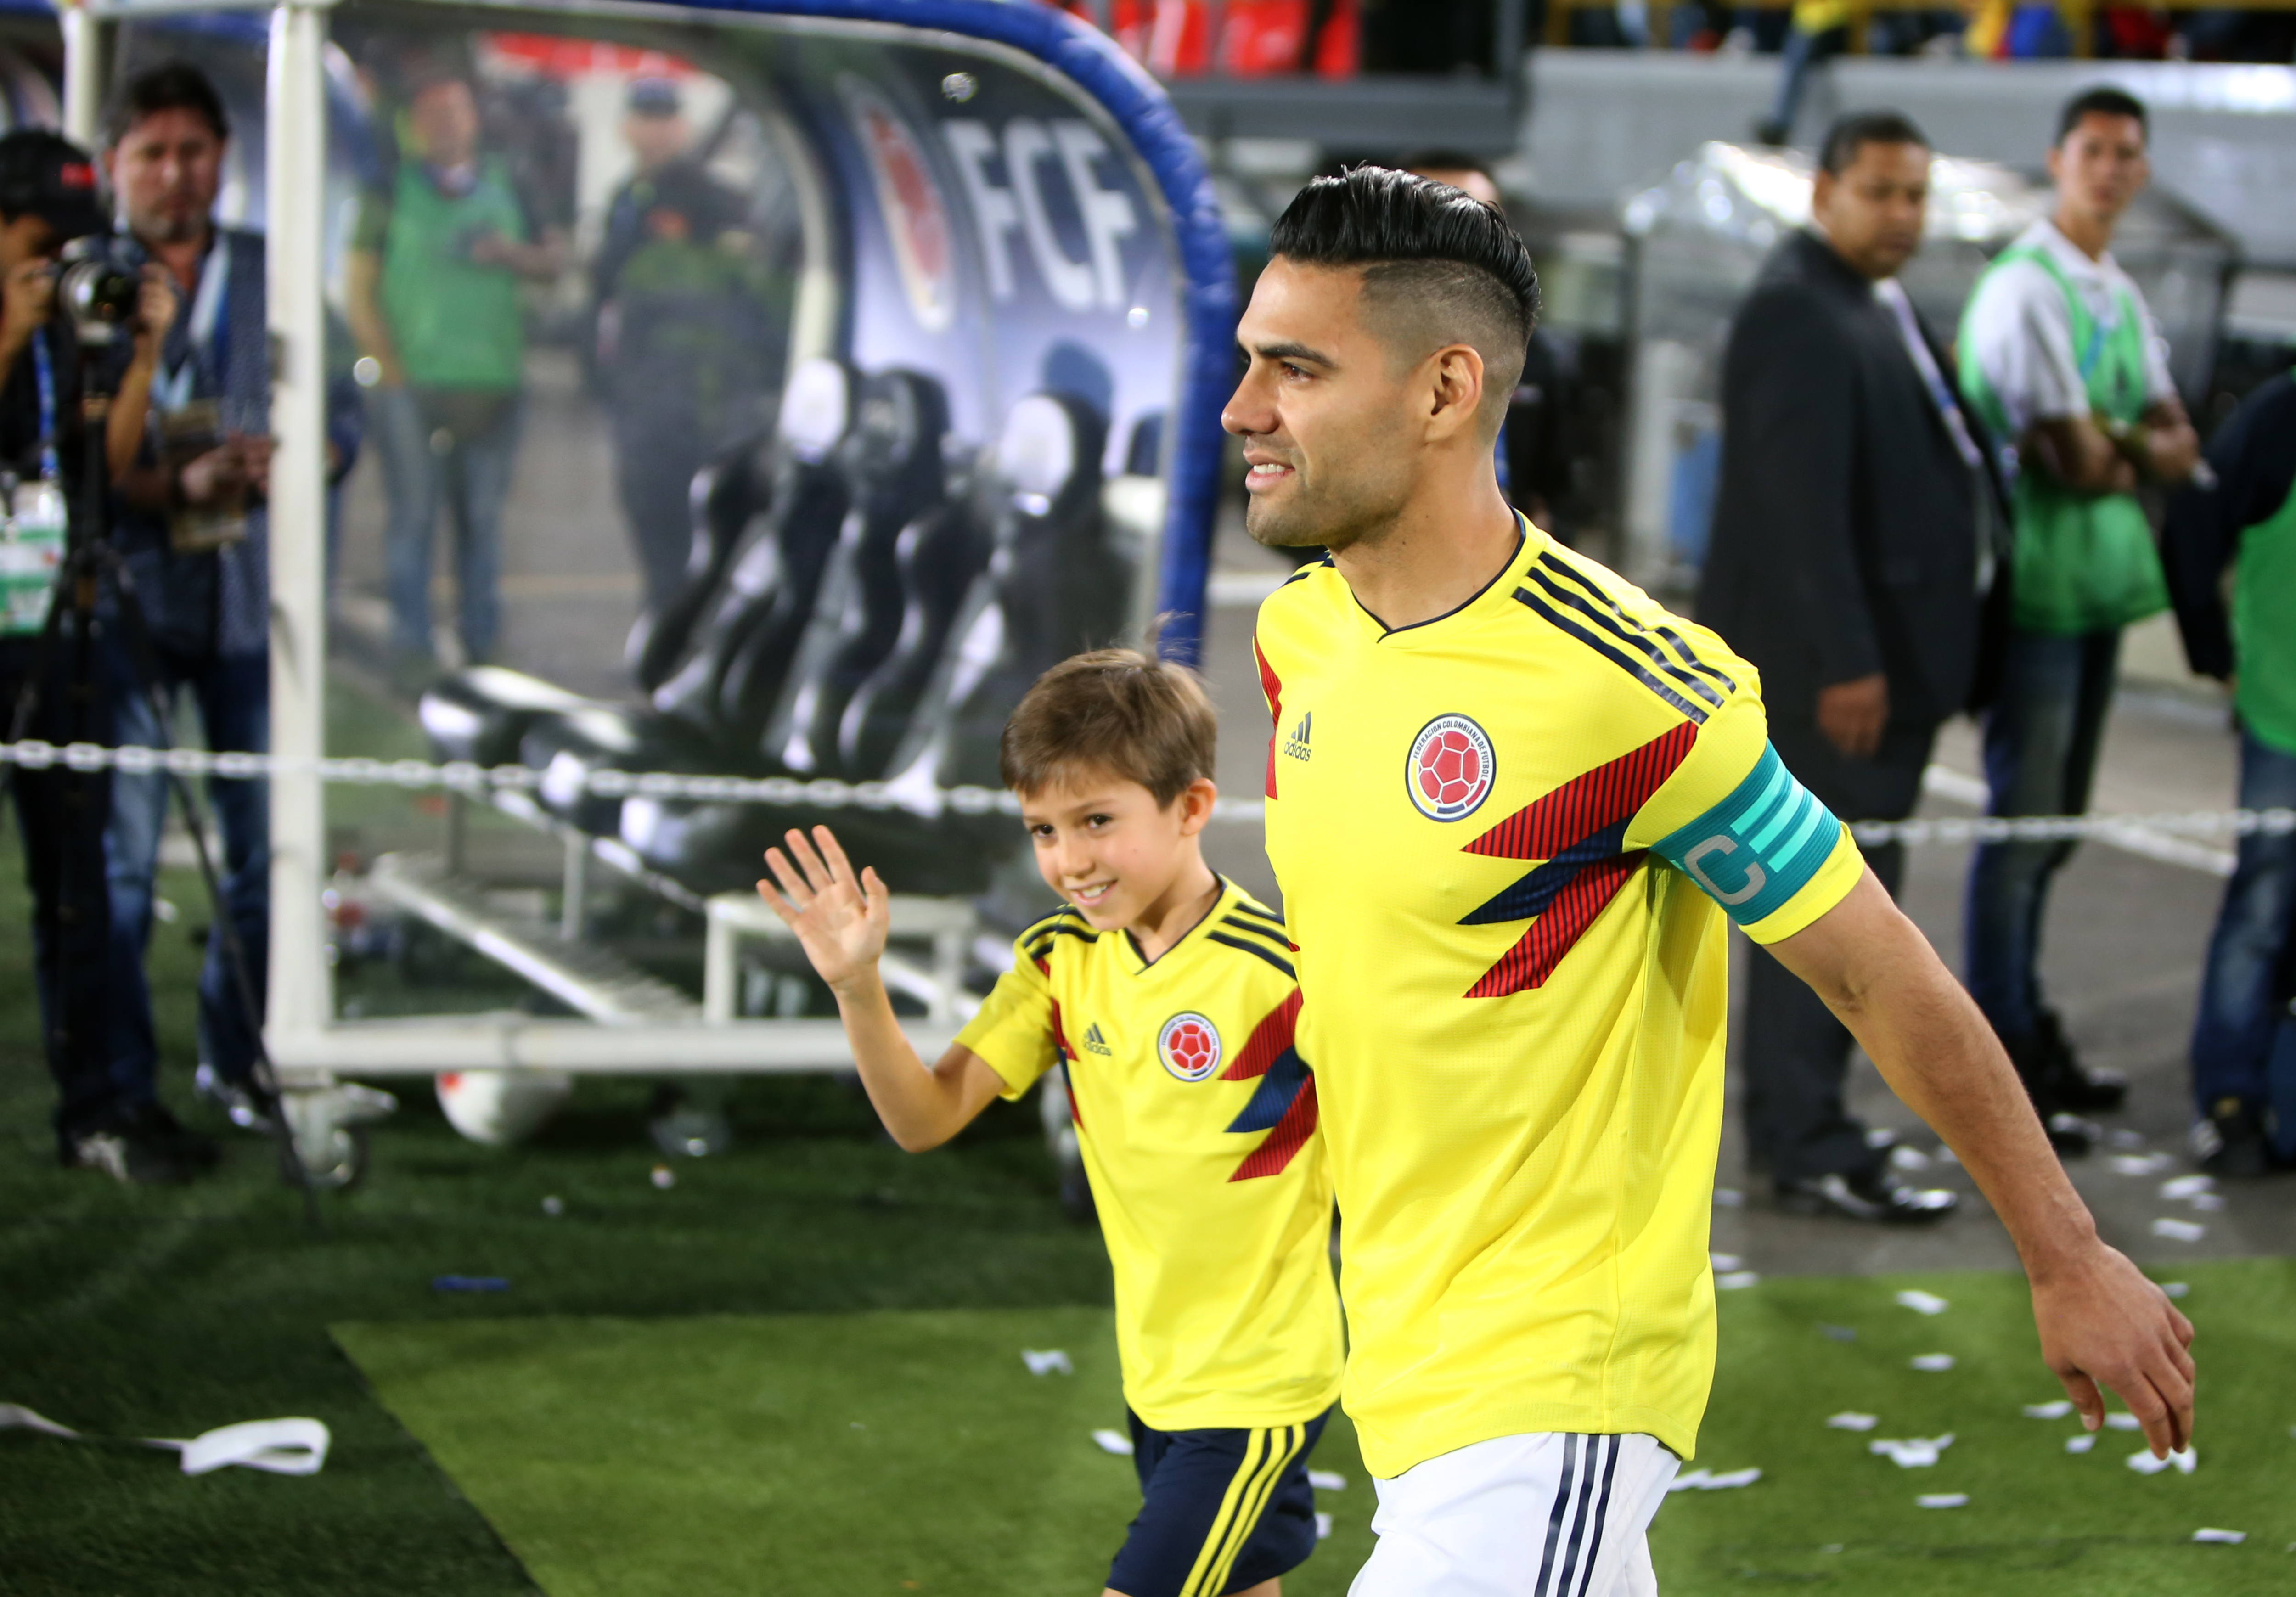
1107	847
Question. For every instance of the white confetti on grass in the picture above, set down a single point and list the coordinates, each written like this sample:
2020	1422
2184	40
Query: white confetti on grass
1326	1480
1707	1480
1047	1361
2056	1410
1112	1441
2144	1463
2179	1230
2229	1538
2121	1420
1323	1526
1852	1420
1942	1500
1908	1159
2140	1164
1725	1261
2187	1186
1728	1198
1911	1452
2208	1203
2128	1140
1735	1280
2176	1289
1922	1303
1931	1362
2082	1442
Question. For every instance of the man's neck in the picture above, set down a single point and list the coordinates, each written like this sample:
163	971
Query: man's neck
1176	909
2089	235
1433	557
183	257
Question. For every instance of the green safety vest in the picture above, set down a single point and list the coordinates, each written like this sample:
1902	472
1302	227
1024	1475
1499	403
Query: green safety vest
2264	644
2078	562
454	324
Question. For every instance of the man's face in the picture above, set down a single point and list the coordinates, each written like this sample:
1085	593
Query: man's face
656	140
444	121
166	171
2101	165
27	238
1325	410
1872	212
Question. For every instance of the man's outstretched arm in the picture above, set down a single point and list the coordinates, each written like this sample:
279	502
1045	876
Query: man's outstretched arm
2101	1321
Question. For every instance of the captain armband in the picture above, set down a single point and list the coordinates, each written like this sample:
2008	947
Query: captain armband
1756	849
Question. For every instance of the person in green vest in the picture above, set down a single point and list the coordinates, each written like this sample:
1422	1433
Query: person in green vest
437	261
2244	1039
2059	355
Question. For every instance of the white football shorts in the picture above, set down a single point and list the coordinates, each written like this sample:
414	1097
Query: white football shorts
1552	1514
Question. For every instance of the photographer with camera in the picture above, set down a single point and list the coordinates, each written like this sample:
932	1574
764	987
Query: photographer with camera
192	532
105	1119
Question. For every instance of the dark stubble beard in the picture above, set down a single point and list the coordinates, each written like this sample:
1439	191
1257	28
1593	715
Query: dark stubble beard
1334	519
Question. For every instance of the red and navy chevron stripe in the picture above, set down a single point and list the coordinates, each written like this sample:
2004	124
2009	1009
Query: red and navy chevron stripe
1578	832
1283	1106
1272	687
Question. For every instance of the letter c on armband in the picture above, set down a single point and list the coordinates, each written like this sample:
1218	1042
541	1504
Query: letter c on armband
1756	878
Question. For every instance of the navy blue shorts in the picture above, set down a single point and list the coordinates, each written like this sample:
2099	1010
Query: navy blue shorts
1220	1510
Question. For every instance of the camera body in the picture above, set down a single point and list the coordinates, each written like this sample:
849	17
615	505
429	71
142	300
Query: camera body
96	292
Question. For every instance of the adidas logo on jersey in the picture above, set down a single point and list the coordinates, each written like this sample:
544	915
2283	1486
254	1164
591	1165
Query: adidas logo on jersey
1295	747
1093	1043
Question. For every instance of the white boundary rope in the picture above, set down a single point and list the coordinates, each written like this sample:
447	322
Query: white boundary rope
461	776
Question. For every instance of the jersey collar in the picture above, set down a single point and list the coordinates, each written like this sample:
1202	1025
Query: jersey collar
1220	901
1530	542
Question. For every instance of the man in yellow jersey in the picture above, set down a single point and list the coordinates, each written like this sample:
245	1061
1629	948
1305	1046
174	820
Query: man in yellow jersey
1169	995
1511	802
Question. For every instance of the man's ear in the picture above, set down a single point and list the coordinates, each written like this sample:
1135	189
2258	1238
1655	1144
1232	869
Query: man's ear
1456	386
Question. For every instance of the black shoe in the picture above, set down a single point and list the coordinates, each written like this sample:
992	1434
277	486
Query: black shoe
2058	1078
243	1102
2231	1142
152	1122
1868	1195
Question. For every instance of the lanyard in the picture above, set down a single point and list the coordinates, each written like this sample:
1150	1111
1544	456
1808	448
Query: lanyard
1892	294
44	371
209	330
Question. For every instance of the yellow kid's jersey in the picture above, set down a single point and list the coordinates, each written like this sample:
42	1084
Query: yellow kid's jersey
1507	840
1197	1119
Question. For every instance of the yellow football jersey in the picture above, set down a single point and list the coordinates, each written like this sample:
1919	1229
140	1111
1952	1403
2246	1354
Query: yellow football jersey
1197	1119
1506	840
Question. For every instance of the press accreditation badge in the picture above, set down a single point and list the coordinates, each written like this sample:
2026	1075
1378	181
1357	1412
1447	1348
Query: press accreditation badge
31	550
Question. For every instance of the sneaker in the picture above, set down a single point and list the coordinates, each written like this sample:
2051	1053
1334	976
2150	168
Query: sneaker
1868	1195
244	1103
141	1147
2060	1080
2230	1142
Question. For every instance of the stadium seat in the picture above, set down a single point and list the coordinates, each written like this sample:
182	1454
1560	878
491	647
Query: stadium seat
897	479
480	714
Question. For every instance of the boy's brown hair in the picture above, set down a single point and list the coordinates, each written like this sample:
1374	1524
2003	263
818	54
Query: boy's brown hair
1119	710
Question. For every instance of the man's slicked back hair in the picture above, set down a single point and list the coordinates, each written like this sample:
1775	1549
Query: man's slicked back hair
1118	712
1430	253
1852	132
2102	100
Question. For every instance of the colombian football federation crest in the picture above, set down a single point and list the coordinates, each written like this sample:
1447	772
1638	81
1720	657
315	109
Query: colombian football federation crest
916	219
1451	769
1189	1046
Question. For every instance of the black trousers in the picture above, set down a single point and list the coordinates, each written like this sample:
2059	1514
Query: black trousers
1795	1054
62	814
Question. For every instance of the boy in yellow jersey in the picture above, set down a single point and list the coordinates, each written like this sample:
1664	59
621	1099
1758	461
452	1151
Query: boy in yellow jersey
1514	804
1169	995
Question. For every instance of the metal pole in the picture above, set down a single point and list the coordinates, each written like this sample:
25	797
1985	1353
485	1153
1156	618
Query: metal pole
300	999
88	65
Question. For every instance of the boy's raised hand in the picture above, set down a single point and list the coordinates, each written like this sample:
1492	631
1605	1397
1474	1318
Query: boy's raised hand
840	918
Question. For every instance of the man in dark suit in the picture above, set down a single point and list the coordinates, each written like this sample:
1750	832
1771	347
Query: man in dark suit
1851	550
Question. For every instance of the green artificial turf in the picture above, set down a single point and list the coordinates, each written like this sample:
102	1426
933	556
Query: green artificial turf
848	1454
900	1452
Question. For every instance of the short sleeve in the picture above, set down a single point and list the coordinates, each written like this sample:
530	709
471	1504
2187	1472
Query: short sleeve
2021	332
2159	385
1017	1031
1734	820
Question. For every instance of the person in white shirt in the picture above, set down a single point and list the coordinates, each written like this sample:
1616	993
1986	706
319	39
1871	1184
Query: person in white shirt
2061	357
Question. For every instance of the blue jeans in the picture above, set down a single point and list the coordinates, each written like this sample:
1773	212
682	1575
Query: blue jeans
2042	736
472	476
1804	54
2245	988
233	695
